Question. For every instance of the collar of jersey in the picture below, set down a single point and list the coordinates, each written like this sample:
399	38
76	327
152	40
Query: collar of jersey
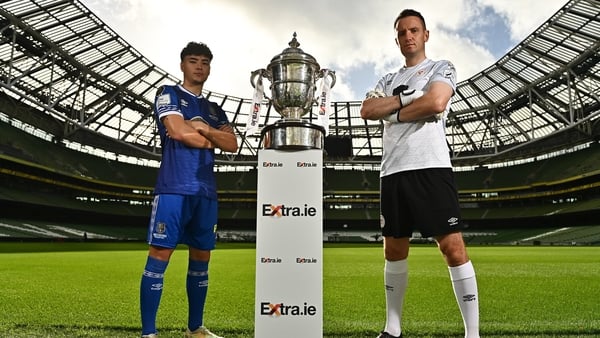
187	91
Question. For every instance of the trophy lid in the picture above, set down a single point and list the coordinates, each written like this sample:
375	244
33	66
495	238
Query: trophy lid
293	53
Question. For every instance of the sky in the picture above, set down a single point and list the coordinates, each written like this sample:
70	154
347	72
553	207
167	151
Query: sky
354	38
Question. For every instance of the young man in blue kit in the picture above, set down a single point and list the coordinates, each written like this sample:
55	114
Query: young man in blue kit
184	209
417	183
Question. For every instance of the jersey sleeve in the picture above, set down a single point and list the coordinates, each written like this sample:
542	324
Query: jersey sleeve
218	115
382	84
445	72
165	102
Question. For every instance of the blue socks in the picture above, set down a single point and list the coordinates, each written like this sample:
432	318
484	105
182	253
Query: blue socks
197	287
150	292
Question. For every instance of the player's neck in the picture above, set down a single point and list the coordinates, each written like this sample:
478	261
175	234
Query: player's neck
195	88
414	60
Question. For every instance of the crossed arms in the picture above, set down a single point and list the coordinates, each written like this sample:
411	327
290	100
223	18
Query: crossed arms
432	102
198	134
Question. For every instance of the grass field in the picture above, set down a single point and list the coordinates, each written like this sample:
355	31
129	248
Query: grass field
91	290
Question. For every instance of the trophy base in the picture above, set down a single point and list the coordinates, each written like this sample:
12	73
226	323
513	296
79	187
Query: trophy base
292	134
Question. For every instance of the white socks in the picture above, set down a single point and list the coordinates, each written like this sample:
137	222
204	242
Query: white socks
464	284
396	280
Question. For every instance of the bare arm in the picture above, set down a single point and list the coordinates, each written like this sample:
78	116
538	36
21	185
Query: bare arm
179	130
379	107
223	138
432	102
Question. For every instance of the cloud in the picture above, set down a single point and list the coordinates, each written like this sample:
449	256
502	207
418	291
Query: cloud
353	37
524	16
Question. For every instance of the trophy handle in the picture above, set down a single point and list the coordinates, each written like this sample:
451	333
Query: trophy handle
262	72
331	74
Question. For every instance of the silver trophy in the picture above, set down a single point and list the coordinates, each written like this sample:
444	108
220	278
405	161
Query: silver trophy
293	75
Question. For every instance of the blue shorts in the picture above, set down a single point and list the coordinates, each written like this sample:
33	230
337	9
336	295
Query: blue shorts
190	220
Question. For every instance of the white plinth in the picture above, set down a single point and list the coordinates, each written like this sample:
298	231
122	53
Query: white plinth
289	244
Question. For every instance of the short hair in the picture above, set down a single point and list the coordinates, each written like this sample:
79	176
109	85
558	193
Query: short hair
410	12
196	48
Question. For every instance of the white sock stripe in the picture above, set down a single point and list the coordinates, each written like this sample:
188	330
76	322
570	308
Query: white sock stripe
197	273
153	274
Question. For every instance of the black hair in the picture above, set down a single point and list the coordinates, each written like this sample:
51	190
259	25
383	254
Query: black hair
410	12
196	48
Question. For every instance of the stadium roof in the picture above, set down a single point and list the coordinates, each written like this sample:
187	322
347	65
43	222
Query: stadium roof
85	84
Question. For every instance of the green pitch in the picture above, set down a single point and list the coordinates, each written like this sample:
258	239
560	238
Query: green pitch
91	290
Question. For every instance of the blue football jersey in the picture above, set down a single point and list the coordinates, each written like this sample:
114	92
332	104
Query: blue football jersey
185	170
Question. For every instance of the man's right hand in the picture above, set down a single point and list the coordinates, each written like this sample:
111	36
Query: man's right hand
374	94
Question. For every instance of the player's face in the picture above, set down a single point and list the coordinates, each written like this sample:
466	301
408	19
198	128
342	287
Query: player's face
195	68
411	36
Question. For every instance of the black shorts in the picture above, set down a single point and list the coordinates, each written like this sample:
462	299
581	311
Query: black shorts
425	200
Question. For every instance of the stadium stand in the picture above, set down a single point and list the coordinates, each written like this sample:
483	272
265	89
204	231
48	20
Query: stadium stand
523	136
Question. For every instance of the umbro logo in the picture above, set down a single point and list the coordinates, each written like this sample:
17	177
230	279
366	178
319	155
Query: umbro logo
469	298
452	221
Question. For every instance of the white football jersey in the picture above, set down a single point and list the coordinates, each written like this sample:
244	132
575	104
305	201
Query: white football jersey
417	144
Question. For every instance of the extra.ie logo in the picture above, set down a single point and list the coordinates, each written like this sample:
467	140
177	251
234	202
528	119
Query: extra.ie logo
269	260
280	210
306	164
268	164
305	260
280	309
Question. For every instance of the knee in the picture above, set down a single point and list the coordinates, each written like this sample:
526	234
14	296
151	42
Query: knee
453	249
455	255
395	251
163	254
199	255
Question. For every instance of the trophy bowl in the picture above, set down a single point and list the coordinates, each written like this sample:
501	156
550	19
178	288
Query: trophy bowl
293	86
293	75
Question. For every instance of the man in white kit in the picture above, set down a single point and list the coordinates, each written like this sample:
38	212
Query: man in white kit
418	191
